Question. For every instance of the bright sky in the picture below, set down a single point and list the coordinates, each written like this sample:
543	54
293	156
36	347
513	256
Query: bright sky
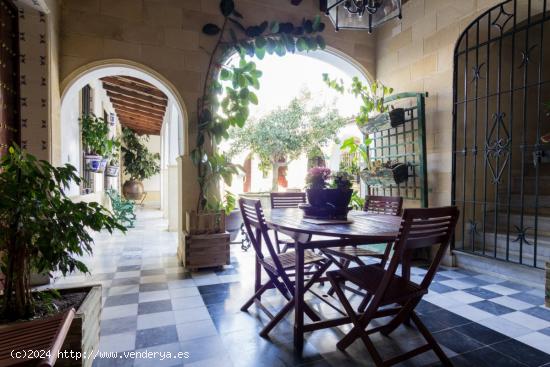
284	77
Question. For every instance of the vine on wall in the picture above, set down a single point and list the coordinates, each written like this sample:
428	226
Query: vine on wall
229	90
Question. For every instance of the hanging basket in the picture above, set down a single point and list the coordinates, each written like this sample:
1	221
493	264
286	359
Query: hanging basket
384	121
394	175
111	171
397	117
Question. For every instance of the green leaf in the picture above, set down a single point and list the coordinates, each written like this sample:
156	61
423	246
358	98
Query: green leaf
225	74
321	42
316	23
260	53
253	98
301	44
227	7
211	29
274	27
260	42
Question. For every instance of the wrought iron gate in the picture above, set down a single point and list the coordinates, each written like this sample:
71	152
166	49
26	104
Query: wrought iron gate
501	165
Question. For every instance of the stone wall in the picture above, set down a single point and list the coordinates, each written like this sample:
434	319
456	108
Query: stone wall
165	35
416	54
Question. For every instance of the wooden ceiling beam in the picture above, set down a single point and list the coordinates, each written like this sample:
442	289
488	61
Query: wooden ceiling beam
134	95
135	87
133	101
143	122
140	127
137	106
137	112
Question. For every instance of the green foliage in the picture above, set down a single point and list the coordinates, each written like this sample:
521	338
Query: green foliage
342	180
228	204
372	96
139	162
40	227
229	90
357	202
95	136
285	133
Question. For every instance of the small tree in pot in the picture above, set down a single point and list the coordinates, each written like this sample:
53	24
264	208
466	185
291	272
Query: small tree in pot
98	146
139	163
41	229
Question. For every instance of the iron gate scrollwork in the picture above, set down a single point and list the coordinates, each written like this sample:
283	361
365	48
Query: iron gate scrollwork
501	170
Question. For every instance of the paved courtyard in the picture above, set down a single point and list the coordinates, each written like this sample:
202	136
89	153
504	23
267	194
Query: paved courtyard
152	304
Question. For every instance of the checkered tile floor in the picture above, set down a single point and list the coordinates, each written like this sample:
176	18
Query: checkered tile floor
151	304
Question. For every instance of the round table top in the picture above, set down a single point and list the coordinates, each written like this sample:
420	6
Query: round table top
367	226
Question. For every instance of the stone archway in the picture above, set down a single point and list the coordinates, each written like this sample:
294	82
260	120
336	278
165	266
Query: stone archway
173	144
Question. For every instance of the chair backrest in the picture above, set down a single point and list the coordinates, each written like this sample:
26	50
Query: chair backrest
419	228
422	228
258	232
287	199
391	205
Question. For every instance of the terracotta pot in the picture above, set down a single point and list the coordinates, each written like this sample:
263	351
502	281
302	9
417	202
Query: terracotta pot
133	190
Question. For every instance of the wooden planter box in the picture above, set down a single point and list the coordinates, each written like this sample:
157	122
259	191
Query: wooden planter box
204	250
547	288
83	335
205	223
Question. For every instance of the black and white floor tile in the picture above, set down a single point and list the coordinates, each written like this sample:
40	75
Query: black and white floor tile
151	304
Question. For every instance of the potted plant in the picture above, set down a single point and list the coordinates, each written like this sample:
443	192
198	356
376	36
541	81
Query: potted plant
373	97
113	160
43	231
385	174
328	200
97	145
139	163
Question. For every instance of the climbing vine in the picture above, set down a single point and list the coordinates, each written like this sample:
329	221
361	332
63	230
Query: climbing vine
229	90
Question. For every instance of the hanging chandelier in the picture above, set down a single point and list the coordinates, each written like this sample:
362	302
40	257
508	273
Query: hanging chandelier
361	14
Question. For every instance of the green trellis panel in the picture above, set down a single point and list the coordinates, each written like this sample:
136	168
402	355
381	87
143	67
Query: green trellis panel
406	144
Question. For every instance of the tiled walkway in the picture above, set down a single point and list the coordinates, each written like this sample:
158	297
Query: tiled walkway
151	304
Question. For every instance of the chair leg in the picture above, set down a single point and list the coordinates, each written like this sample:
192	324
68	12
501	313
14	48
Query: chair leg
401	317
363	305
256	295
430	339
344	264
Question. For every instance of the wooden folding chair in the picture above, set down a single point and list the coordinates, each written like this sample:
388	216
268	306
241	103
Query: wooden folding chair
278	266
389	205
420	228
283	200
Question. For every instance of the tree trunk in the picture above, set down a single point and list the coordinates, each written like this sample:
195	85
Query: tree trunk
275	177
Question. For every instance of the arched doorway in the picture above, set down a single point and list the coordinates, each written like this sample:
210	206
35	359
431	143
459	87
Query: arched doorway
500	158
284	79
118	94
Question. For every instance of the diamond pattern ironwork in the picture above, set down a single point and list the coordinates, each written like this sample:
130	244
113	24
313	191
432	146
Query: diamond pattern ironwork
497	147
502	19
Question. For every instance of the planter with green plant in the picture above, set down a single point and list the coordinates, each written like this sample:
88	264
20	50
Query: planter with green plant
43	231
139	163
97	144
386	174
328	199
374	115
113	165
